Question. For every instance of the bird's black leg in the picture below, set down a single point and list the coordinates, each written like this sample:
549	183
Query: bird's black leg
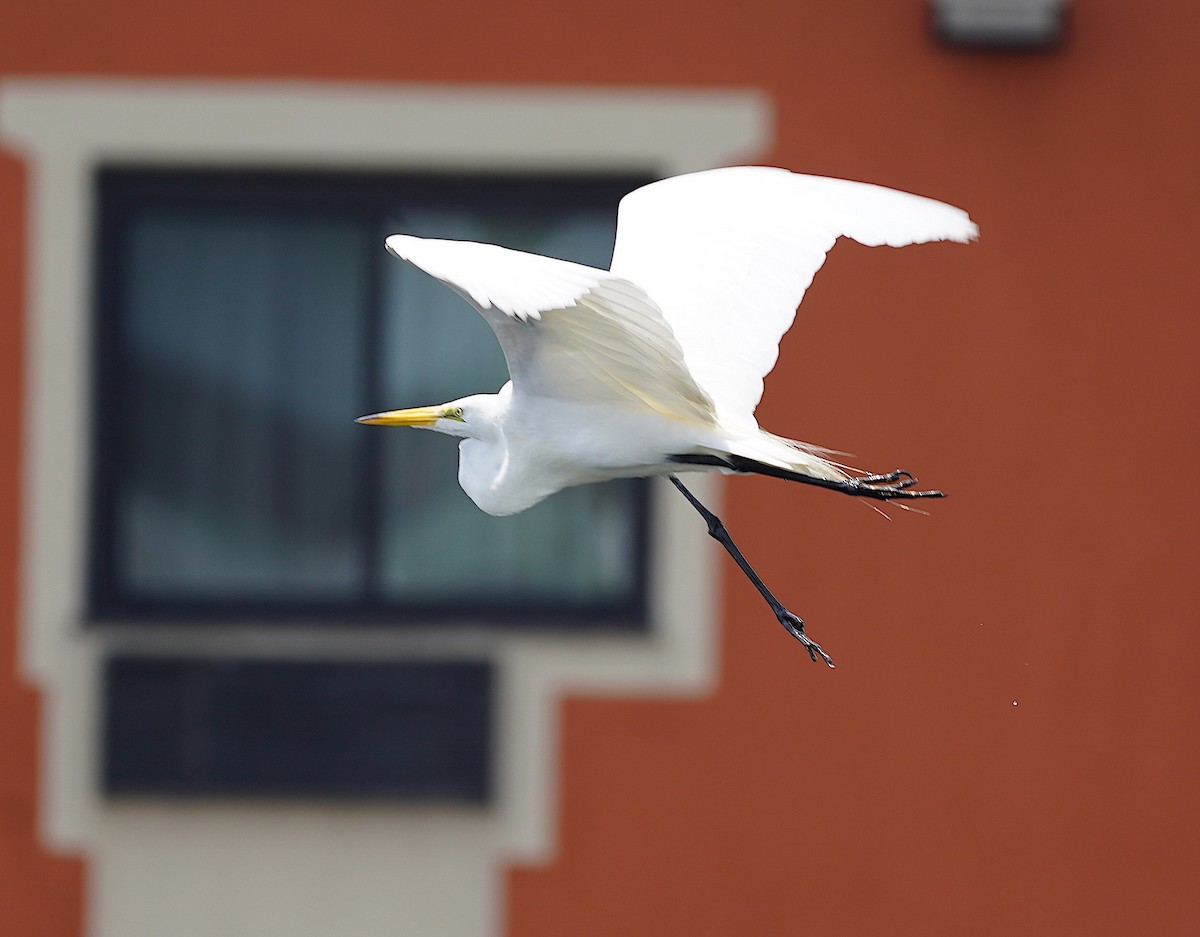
889	486
793	623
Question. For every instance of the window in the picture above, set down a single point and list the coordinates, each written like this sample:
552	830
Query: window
412	729
66	130
244	319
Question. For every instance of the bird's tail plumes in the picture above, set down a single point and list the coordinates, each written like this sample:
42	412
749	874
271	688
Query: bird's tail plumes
797	461
789	456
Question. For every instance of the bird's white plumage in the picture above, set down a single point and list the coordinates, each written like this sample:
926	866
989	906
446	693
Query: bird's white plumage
568	331
517	283
616	372
727	254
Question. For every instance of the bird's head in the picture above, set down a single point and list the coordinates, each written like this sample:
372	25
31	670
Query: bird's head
468	417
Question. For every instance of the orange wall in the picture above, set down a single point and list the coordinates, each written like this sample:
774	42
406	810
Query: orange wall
1046	377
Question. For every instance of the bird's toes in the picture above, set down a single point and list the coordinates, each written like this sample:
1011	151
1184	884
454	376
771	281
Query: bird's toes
885	487
887	479
795	626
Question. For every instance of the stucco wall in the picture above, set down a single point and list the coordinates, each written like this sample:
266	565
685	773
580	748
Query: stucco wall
1045	377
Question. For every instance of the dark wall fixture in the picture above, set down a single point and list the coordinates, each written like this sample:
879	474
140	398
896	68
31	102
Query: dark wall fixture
1000	24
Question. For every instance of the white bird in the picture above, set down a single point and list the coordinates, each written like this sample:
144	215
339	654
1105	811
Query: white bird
656	365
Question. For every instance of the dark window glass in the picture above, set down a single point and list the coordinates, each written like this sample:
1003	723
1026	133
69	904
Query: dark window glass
414	729
244	320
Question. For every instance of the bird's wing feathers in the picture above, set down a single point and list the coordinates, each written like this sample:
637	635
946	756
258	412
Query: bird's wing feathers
706	276
727	255
568	331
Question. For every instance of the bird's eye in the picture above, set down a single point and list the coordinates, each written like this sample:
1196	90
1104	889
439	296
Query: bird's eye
457	413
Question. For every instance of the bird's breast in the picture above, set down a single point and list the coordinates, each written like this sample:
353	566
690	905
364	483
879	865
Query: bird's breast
552	445
501	481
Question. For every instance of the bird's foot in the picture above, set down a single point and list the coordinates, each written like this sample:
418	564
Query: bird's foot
795	627
892	485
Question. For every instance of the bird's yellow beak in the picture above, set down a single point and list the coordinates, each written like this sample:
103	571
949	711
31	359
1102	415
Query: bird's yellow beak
417	416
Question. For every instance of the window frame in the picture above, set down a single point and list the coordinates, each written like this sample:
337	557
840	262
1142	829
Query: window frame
369	197
62	129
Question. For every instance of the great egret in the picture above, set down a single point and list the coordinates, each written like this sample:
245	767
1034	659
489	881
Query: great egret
655	366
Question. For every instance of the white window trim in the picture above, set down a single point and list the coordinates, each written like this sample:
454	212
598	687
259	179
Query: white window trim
201	851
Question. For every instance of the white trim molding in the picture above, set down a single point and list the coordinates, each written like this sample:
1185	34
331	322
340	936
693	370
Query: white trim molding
202	867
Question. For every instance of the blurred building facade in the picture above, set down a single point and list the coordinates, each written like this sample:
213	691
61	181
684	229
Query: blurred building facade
258	679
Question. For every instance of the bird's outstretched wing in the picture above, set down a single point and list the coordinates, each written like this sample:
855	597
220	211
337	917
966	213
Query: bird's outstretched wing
728	253
568	331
